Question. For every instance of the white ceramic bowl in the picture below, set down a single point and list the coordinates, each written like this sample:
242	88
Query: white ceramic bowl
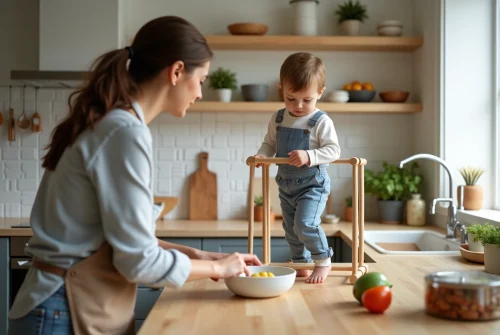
254	287
390	31
391	23
338	96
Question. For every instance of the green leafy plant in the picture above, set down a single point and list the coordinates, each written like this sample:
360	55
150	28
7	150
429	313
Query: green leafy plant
351	11
258	200
393	183
348	201
222	78
471	175
485	233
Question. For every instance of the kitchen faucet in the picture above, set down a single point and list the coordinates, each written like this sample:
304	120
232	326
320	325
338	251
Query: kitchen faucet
452	224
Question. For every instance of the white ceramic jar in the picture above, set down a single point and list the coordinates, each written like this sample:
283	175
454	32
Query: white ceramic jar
305	17
415	211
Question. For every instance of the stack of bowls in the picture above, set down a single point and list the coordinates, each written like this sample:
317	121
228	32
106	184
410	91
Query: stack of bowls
338	96
390	28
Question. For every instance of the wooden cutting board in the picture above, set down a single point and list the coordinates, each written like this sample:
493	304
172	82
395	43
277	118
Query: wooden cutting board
203	192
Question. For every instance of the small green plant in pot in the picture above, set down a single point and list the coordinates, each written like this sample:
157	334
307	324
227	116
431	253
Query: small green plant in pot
472	195
392	186
224	82
258	209
489	236
350	15
348	209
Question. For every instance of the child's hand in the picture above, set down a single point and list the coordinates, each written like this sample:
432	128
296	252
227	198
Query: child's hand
259	156
298	158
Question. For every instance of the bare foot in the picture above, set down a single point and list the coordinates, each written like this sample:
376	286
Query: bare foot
318	275
303	273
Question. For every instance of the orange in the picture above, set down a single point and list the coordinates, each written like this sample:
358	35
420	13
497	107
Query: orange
357	87
377	299
356	82
368	86
347	87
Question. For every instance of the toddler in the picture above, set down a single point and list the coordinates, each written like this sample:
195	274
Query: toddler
307	137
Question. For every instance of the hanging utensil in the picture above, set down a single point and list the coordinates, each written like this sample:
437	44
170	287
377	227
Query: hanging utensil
12	122
23	122
36	121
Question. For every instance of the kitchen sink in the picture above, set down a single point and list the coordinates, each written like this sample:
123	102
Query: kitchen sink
411	242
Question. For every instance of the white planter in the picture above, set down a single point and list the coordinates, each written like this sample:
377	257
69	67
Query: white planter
492	258
351	27
305	17
474	246
224	94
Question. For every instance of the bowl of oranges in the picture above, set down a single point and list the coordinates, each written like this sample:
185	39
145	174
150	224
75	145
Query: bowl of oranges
360	92
263	282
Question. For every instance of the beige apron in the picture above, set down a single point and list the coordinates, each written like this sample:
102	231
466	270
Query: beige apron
101	300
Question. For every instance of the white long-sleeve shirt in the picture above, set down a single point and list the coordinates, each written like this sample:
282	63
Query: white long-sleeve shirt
323	141
100	191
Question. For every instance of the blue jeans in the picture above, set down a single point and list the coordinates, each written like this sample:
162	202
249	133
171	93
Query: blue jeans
303	199
51	317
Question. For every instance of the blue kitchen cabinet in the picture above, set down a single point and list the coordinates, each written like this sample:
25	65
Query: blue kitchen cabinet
4	284
280	251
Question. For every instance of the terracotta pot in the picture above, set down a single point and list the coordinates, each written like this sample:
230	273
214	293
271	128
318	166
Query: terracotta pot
348	214
472	198
258	214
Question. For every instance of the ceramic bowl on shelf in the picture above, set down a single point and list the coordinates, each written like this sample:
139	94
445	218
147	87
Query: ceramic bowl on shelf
361	96
394	96
247	28
390	28
340	96
254	92
255	287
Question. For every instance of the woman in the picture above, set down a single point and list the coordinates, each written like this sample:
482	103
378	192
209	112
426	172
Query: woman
93	217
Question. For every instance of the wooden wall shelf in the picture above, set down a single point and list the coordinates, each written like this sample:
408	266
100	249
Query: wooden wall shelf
331	107
301	43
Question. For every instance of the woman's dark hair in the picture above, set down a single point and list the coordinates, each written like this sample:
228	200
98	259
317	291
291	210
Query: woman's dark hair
157	45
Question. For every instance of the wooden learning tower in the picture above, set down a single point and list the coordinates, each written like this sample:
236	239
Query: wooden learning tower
358	267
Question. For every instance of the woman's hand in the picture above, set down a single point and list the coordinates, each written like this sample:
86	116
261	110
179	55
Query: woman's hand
210	256
235	264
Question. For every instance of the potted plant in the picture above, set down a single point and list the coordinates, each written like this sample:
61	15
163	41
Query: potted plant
348	209
258	209
472	195
224	82
489	235
392	185
350	16
474	237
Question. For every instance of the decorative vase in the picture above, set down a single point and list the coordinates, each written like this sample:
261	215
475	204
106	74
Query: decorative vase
474	246
351	27
391	211
348	214
224	94
305	17
492	258
415	211
472	197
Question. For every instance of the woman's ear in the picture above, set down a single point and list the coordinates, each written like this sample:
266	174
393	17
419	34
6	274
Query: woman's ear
174	72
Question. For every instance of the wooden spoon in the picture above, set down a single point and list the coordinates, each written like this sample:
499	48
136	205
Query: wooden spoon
23	122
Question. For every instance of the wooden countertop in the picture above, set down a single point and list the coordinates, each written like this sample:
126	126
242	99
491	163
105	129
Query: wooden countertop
206	307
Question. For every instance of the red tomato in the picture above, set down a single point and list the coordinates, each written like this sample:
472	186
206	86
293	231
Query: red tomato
377	299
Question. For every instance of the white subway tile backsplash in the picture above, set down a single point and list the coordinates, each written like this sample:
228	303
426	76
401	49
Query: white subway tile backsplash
229	138
11	153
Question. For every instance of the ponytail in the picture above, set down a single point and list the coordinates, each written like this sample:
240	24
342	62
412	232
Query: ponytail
110	86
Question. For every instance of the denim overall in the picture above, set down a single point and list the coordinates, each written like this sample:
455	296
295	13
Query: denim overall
303	192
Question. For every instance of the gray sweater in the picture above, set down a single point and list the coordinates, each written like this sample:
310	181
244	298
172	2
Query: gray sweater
100	191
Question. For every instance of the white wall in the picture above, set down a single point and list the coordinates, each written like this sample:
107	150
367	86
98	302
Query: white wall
427	89
74	32
229	138
19	36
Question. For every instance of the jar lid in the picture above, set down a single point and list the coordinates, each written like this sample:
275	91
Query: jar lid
464	279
